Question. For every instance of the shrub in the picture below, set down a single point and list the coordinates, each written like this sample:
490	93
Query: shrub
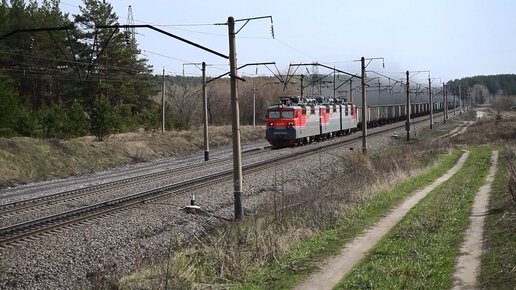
149	119
180	124
127	120
103	119
26	123
78	122
53	121
7	132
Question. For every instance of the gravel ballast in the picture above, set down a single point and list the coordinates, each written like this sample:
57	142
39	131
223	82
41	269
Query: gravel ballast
94	253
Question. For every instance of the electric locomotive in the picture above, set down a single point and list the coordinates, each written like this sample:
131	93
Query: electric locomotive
297	120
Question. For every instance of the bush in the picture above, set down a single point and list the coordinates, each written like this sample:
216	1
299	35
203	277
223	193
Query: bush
7	132
180	124
103	119
78	122
126	120
9	103
53	121
149	119
26	123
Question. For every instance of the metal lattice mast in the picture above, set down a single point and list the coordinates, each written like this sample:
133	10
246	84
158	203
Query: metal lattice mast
130	31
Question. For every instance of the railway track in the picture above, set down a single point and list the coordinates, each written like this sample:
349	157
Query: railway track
50	200
27	229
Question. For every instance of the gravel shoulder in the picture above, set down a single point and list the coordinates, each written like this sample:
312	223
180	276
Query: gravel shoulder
335	268
95	253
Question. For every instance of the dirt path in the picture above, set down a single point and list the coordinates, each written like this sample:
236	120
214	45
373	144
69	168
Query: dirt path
459	130
468	263
463	129
335	268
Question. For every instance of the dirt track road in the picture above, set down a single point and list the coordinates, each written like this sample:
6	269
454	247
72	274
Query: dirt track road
468	262
337	267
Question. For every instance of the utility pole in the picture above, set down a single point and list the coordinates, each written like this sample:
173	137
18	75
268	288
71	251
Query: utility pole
163	103
454	104
407	123
431	103
237	162
364	97
351	90
445	102
460	98
302	77
364	108
334	80
205	105
254	106
205	115
446	94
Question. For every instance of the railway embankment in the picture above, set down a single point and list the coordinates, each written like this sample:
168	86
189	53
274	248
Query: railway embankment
306	225
298	213
304	219
25	159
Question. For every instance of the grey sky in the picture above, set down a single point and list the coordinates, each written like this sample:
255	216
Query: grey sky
452	39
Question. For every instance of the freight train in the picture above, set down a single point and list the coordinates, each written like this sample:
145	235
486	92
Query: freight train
297	120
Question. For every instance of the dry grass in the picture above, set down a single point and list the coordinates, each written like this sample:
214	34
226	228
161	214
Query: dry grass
510	156
490	131
24	159
292	215
425	242
498	260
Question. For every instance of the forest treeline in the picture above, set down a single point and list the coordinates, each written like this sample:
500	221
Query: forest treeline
83	80
67	83
482	87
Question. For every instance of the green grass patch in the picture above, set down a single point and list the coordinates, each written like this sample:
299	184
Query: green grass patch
420	251
304	258
498	265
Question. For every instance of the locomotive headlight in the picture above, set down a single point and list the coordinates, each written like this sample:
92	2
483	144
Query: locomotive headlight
271	124
290	124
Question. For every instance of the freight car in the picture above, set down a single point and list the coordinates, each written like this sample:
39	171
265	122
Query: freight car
297	120
380	115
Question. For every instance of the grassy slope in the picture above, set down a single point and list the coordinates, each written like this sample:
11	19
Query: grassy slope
498	268
303	260
25	159
419	253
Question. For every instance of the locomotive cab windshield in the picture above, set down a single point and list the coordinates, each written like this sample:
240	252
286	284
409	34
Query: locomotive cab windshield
273	114
287	114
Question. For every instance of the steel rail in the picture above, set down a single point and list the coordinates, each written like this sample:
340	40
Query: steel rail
79	193
23	230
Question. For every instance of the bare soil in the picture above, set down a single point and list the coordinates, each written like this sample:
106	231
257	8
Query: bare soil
337	267
467	265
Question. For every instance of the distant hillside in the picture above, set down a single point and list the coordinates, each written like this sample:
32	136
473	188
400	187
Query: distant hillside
504	84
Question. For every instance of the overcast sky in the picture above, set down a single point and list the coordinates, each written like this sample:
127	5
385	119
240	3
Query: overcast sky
451	38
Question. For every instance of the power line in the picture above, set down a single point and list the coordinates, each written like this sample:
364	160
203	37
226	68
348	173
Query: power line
165	56
71	61
295	49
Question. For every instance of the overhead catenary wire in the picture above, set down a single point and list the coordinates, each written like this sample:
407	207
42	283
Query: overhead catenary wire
178	26
70	61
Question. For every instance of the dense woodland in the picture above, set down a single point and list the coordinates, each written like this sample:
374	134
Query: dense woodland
74	82
82	80
482	87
